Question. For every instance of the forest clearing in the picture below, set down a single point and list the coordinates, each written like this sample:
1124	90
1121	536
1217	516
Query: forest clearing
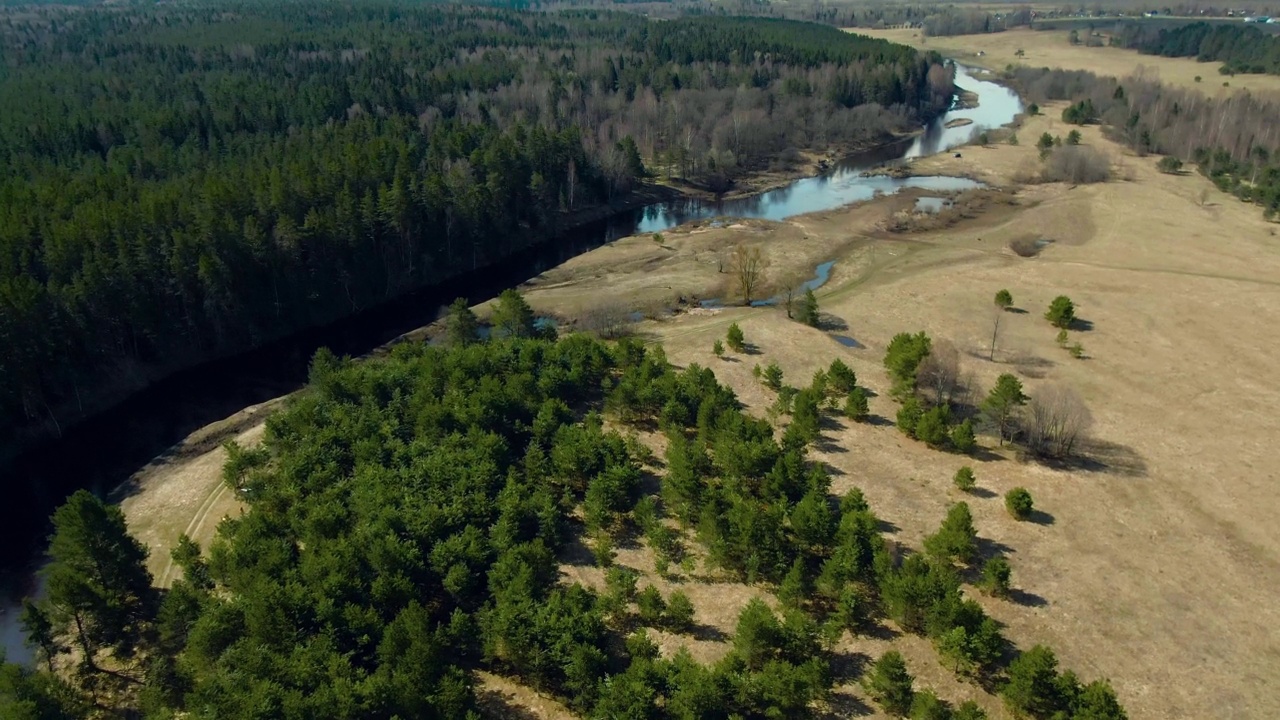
1150	551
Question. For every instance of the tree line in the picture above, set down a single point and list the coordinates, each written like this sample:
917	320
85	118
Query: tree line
1233	140
184	182
1241	48
407	519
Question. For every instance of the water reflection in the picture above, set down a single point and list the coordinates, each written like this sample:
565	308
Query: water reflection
848	181
997	106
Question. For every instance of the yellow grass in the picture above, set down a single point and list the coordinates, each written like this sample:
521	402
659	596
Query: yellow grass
1049	48
1159	567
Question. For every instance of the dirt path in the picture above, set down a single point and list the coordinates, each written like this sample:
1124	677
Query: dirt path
182	491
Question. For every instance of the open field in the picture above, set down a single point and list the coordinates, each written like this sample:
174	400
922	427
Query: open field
1151	567
1154	564
1049	48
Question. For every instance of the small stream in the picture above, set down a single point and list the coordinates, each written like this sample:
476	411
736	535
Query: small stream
106	450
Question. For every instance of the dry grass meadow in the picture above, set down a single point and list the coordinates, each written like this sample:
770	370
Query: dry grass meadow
1154	564
1050	48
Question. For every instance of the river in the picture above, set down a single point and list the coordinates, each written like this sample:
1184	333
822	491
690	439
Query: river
104	451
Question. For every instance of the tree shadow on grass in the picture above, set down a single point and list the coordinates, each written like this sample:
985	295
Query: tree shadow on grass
496	705
988	548
885	526
983	454
878	421
1040	517
982	493
831	323
832	470
829	421
848	666
880	631
1015	310
576	553
1097	455
827	445
708	633
845	705
1027	599
1078	325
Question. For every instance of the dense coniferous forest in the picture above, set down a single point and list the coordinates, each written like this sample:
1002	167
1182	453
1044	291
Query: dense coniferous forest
184	182
409	516
1240	48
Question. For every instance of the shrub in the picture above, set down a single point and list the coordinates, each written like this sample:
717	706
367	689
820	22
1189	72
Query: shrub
651	605
737	342
1079	164
995	576
602	549
1073	137
773	377
1044	145
794	588
909	416
718	348
855	406
1002	404
903	357
1033	683
956	539
1169	164
809	309
640	645
1062	338
969	710
962	437
1080	113
927	706
1077	351
1018	502
1061	312
679	616
965	479
1004	300
840	379
931	428
889	684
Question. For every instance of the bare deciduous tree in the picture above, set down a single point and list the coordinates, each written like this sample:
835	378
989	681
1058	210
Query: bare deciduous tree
939	372
1057	420
792	291
748	266
608	321
997	313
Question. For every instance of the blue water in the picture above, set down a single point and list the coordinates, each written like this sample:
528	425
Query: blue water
821	275
848	182
931	204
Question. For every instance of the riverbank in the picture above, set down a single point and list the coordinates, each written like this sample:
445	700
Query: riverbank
149	429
